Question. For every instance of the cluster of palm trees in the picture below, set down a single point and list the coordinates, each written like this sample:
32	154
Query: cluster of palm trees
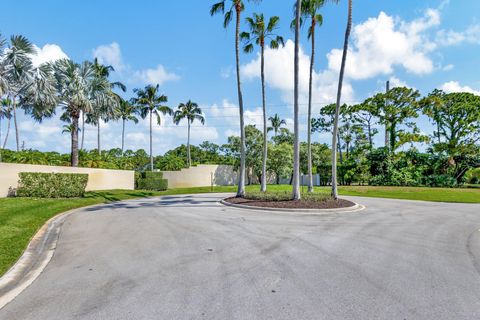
259	33
82	91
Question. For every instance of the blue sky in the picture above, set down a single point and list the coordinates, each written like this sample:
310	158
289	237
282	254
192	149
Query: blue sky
422	44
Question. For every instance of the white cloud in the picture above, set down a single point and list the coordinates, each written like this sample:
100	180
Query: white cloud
226	72
382	43
228	113
109	54
48	53
159	75
448	67
454	86
279	70
449	37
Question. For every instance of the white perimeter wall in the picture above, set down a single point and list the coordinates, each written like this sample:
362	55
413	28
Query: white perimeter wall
98	179
201	176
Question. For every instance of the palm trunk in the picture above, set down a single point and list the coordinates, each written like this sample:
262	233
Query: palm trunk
83	130
189	159
98	136
151	143
309	123
7	133
339	97
74	154
296	145
263	187
370	141
123	134
387	137
241	178
17	135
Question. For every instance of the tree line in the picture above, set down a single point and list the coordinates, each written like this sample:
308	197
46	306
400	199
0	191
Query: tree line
81	92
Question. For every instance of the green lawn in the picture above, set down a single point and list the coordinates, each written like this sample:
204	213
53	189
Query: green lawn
20	218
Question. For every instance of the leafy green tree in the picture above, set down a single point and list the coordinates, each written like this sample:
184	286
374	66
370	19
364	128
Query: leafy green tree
276	123
285	136
281	160
339	96
150	103
236	6
260	32
364	115
191	112
394	109
170	162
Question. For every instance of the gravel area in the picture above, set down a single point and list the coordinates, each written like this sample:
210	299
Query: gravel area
291	204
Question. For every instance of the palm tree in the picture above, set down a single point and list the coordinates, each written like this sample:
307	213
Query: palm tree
3	68
309	10
150	102
191	112
79	90
126	112
296	143
237	6
259	33
18	71
276	123
339	97
6	113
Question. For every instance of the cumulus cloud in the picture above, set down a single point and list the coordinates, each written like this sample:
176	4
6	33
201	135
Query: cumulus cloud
454	86
159	75
47	53
109	54
384	42
279	68
228	113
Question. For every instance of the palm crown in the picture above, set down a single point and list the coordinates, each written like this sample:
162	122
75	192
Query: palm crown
149	100
276	123
260	32
189	111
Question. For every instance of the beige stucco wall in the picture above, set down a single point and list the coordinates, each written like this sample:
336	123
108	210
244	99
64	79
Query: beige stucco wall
98	179
201	176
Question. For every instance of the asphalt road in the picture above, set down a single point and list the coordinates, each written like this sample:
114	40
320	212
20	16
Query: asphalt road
187	257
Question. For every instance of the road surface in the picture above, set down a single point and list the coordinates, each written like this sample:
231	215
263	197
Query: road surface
188	257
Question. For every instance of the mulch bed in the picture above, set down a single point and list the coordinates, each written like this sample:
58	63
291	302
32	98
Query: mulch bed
291	204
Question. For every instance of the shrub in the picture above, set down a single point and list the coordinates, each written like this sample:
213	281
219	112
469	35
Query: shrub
51	185
151	181
284	196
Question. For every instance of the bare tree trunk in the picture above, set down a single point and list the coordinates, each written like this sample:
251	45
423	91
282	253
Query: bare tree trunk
123	134
17	135
241	176
339	97
189	159
83	130
309	124
296	145
151	142
7	133
263	187
74	154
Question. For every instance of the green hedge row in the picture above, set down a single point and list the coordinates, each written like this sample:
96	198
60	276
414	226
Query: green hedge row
150	181
51	185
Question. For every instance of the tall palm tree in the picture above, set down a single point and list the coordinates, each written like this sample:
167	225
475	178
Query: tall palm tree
310	11
191	112
259	34
18	72
79	90
109	111
339	97
126	112
6	113
151	103
276	123
296	142
237	6
3	68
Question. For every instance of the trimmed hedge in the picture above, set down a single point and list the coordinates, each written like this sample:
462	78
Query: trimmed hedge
51	185
151	181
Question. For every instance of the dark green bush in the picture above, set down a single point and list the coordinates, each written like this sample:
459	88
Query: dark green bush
51	185
151	181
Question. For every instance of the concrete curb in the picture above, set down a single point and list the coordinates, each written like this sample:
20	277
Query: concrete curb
354	208
34	259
